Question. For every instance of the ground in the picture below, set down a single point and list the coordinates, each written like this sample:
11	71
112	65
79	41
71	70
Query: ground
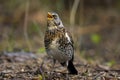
31	66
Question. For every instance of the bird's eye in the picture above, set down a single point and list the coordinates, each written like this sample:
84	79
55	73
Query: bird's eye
55	16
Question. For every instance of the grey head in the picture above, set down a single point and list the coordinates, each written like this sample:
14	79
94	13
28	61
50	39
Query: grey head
54	20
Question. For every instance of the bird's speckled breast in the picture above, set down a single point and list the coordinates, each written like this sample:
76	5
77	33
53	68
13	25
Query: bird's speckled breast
55	53
54	45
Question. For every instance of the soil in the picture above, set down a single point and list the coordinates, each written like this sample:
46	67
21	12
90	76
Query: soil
31	66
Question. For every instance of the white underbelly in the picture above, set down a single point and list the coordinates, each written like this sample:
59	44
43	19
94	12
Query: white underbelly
58	55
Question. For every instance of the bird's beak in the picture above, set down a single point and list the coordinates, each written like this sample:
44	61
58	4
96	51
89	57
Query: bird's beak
49	16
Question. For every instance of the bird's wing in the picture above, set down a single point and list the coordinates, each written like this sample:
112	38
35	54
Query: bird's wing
69	37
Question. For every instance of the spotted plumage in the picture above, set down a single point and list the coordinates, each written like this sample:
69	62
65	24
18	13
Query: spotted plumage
58	42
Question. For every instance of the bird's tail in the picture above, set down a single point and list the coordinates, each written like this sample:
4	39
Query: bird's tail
71	68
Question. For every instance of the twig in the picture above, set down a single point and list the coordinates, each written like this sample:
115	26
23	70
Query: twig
41	70
98	75
25	26
25	72
118	71
81	13
1	73
73	12
90	29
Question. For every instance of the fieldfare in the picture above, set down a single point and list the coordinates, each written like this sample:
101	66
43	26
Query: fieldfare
58	42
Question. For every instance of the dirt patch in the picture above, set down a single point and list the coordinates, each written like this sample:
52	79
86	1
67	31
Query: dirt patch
30	66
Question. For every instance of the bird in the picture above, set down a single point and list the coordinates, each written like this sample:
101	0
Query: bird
59	43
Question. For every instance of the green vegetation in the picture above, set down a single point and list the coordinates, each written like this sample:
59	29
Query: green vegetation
95	38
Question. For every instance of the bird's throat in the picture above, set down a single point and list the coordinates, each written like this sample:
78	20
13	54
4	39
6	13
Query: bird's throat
52	27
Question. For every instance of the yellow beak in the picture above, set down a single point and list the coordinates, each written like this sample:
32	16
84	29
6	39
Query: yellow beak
49	16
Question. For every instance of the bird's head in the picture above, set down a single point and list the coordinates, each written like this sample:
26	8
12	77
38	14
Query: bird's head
53	20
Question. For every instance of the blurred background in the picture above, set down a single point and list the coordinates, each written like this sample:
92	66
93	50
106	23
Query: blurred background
94	25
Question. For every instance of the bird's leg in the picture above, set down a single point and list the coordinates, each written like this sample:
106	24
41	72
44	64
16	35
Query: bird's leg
67	77
54	61
52	69
53	65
